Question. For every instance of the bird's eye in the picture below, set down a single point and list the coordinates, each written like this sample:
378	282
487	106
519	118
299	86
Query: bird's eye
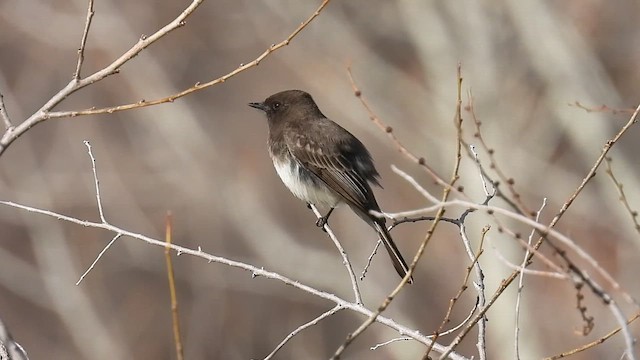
276	105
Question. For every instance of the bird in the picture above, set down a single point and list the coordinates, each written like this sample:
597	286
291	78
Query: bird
322	163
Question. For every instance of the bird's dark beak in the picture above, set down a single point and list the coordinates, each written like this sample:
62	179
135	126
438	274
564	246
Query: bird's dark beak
259	106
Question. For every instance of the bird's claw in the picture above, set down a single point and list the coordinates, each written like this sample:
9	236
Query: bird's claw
322	221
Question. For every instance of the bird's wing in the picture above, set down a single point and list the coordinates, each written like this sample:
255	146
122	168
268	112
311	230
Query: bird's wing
331	166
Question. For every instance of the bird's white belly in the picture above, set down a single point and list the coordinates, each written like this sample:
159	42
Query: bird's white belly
305	189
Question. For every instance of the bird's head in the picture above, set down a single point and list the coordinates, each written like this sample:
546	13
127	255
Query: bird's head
296	104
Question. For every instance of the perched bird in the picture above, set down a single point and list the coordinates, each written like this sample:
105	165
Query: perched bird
322	163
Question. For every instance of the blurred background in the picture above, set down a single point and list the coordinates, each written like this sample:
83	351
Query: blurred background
204	158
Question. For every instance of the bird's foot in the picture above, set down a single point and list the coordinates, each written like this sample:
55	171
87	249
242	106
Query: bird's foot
322	221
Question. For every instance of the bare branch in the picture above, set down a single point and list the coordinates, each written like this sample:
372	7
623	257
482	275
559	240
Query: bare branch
175	318
255	272
369	259
448	187
83	41
304	326
521	282
479	285
601	108
376	346
45	113
74	85
345	257
5	116
544	229
593	343
389	131
482	174
517	201
605	150
551	274
622	196
96	182
93	264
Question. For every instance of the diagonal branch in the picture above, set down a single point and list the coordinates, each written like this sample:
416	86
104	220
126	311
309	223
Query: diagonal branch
302	327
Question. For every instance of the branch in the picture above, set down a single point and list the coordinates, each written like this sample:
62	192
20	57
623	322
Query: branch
175	318
545	231
389	131
445	195
304	326
593	343
5	116
345	257
622	196
255	271
83	41
506	282
44	113
521	283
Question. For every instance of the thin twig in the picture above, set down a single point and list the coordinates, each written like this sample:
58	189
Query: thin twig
551	274
376	346
304	326
175	318
538	254
93	264
454	300
5	116
622	196
521	282
345	257
96	181
519	204
479	285
83	41
369	259
600	109
389	131
482	173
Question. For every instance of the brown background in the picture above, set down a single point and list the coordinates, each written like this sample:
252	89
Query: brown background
204	158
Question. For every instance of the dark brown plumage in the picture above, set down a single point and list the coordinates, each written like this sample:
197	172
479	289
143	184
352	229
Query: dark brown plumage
322	163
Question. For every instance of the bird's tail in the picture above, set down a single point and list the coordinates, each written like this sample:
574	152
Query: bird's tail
396	258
